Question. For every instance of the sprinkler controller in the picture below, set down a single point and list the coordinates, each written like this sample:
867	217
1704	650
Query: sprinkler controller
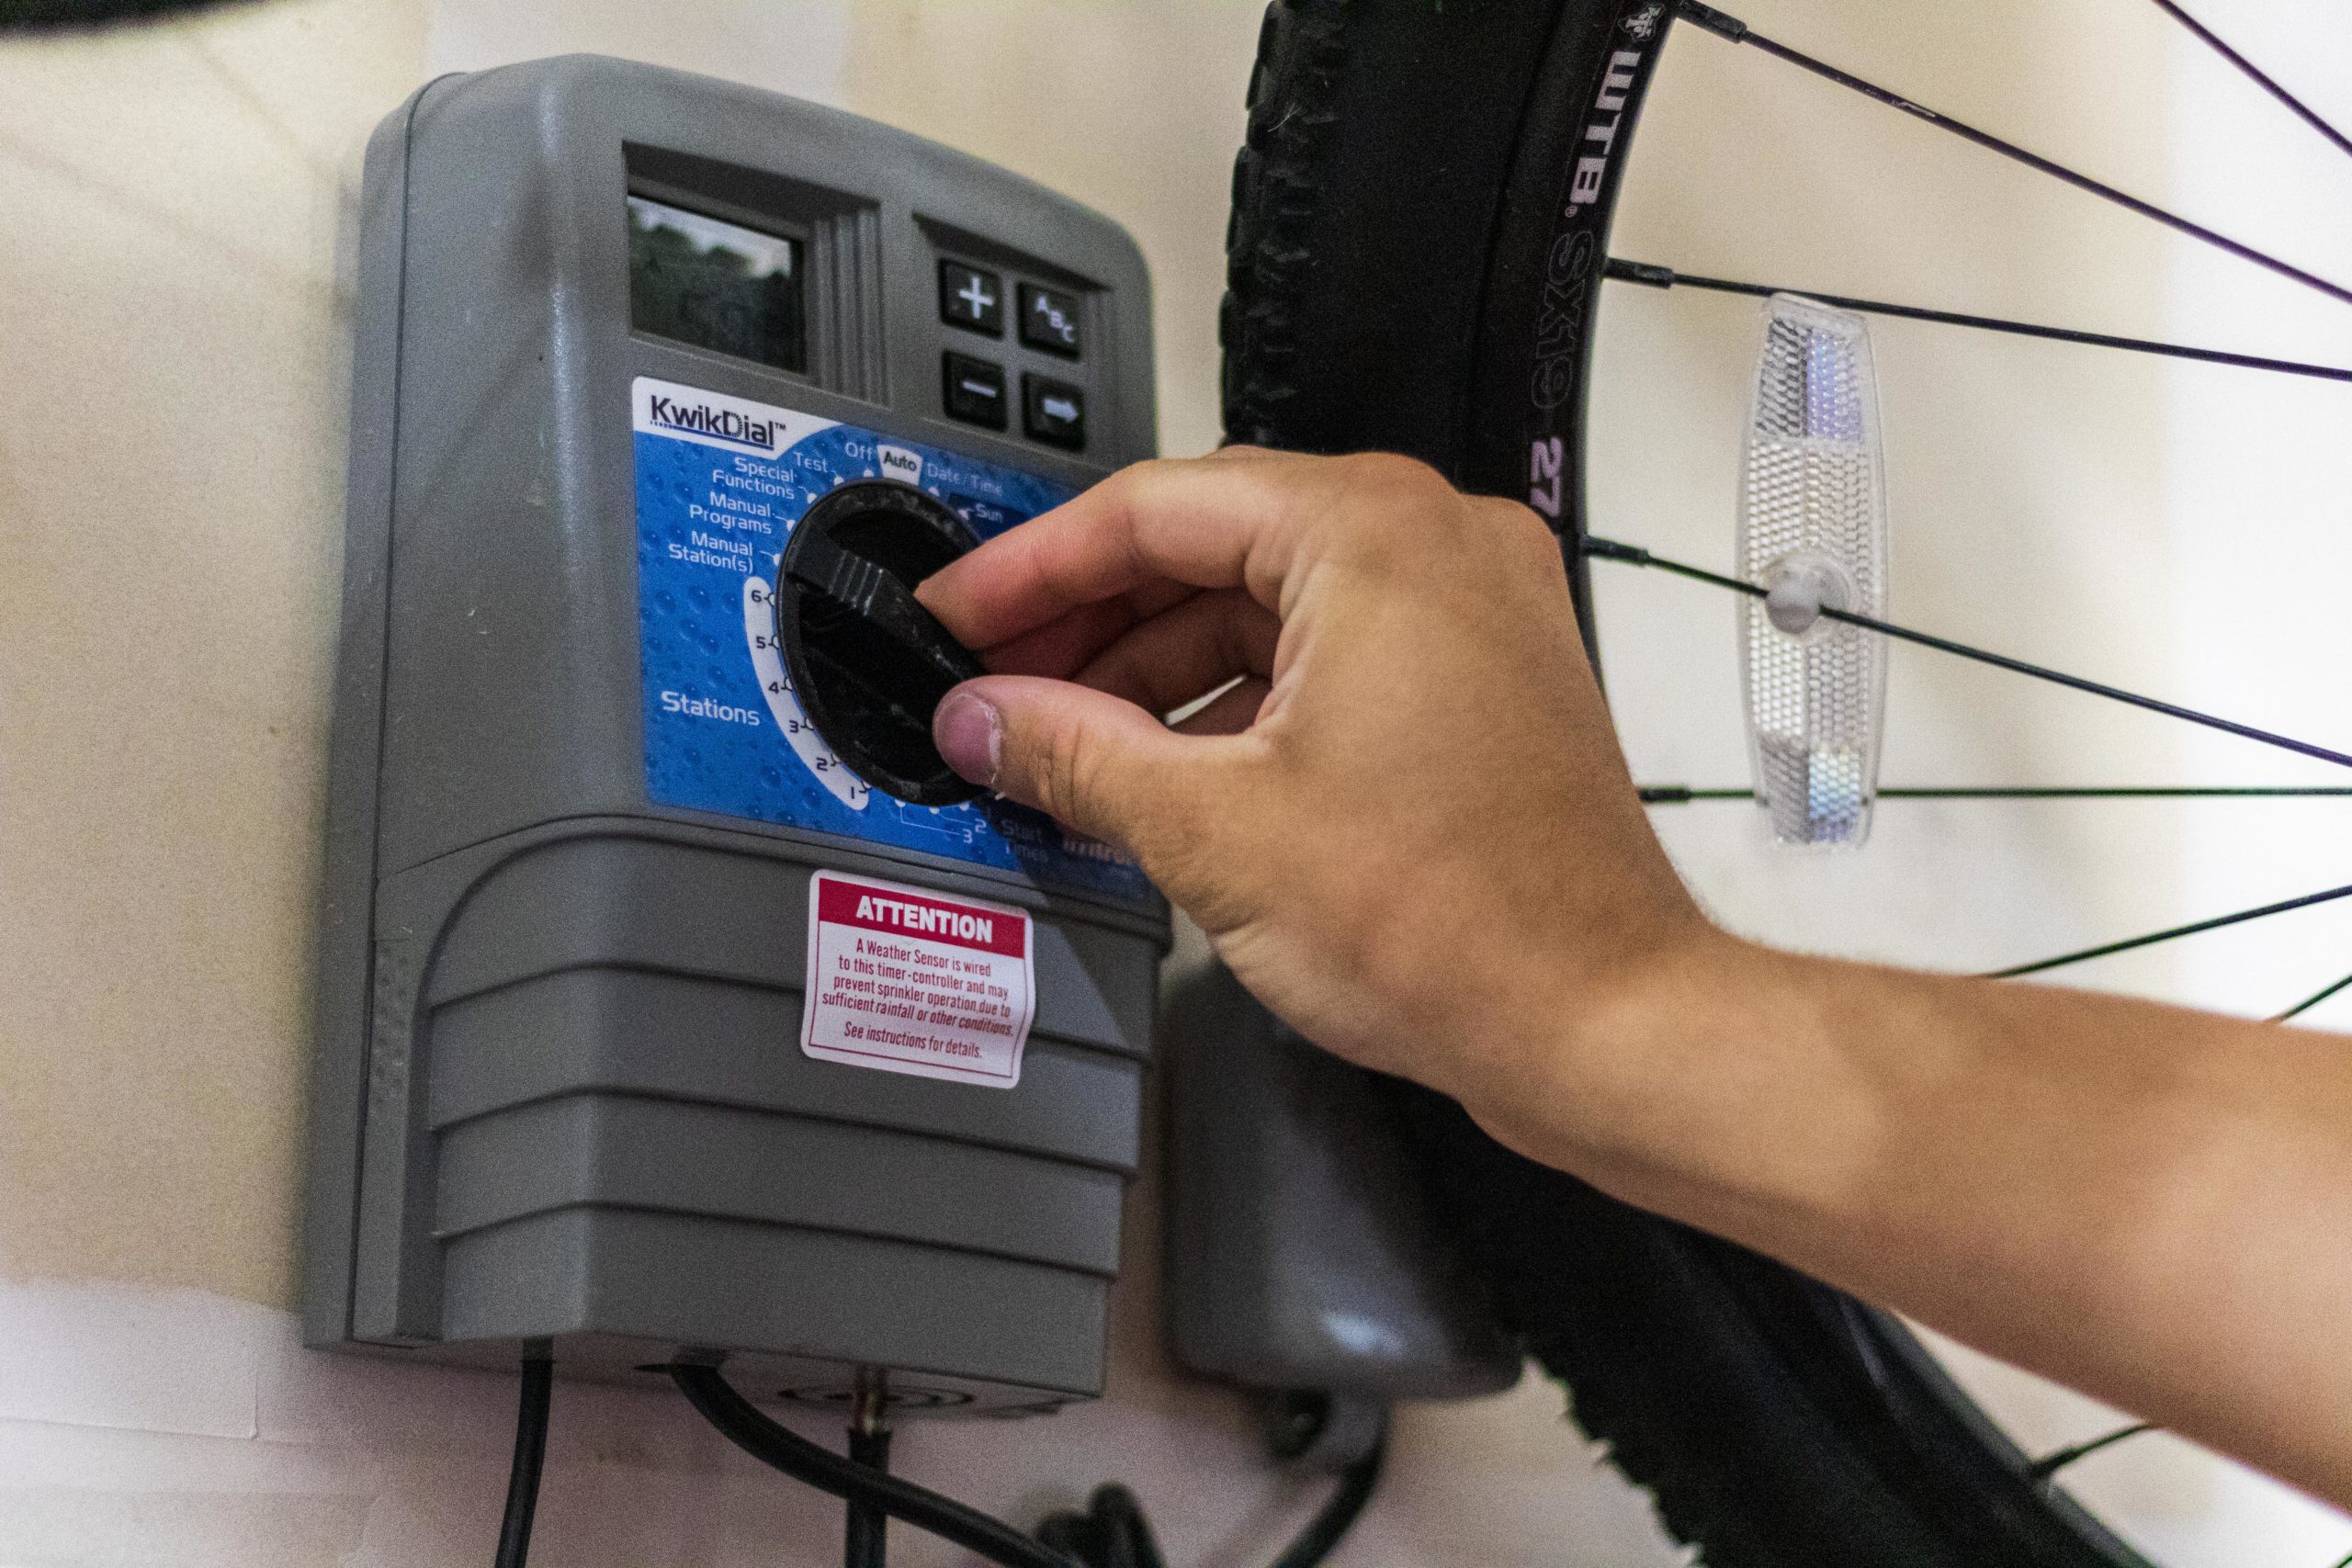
678	1003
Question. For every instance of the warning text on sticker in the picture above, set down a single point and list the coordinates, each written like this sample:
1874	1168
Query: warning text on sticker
911	984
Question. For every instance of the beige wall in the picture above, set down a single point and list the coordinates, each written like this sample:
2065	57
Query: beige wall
173	305
172	318
173	369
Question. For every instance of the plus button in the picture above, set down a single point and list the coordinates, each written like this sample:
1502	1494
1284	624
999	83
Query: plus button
971	299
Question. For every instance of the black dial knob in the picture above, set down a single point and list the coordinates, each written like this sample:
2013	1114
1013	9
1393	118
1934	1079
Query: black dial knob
868	663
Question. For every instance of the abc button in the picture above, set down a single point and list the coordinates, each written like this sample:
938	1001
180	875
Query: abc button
1049	321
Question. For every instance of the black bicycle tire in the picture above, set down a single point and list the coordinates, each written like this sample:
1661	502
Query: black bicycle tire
1405	273
60	15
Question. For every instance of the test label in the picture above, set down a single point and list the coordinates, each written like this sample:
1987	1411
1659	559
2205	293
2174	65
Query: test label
910	981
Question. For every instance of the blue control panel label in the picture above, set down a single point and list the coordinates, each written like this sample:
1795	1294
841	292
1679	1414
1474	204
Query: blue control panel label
720	482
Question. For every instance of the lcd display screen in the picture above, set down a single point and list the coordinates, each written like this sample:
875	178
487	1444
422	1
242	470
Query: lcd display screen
717	286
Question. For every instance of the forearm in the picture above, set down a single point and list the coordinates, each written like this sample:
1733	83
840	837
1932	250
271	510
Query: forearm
2151	1204
2147	1204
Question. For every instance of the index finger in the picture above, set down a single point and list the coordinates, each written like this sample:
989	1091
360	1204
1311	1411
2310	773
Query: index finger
1218	522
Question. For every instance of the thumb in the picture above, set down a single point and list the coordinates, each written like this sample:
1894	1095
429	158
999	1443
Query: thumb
1093	762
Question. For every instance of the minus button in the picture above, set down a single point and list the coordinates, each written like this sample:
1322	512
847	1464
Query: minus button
973	391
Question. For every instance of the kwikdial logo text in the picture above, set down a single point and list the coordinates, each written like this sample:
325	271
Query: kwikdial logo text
1568	271
719	425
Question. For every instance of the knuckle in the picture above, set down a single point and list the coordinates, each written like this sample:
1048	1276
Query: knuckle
1516	524
1142	485
1061	768
1122	487
1387	507
1075	779
1393	470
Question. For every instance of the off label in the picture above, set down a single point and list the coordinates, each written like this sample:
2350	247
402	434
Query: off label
910	981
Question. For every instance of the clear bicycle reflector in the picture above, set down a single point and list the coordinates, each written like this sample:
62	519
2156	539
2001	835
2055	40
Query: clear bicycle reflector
1813	533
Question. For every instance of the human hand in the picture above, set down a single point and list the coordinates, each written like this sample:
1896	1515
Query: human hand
1407	827
1408	831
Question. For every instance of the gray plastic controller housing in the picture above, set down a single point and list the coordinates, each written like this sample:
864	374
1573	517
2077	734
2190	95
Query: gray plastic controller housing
559	1093
1303	1249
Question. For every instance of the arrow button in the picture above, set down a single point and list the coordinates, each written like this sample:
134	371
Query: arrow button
1054	411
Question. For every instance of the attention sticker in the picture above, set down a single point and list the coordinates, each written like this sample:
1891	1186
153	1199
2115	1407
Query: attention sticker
910	981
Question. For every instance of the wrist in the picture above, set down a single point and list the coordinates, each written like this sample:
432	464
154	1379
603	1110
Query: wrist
1636	1067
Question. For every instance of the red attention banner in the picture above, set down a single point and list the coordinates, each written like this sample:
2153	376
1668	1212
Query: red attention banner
896	913
902	980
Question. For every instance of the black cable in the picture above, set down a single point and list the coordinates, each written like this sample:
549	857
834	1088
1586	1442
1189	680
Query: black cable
530	1456
2260	78
1323	1532
1632	555
1123	1511
740	1423
1652	277
1110	1533
865	1540
1684	795
1724	25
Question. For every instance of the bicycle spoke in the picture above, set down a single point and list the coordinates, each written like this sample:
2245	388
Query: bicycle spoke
1729	27
1684	795
1633	555
1681	794
1667	278
2050	1465
2254	73
2192	928
2312	1001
